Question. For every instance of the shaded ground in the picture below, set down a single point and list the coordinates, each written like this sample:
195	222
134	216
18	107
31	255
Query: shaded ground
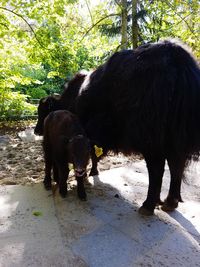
104	231
22	162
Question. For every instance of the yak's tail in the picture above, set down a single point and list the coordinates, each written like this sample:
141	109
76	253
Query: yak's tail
185	112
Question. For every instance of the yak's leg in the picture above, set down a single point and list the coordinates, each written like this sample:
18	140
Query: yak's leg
94	170
63	172
155	166
55	174
176	167
80	187
48	167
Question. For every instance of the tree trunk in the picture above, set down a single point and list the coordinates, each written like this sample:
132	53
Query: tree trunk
134	24
124	15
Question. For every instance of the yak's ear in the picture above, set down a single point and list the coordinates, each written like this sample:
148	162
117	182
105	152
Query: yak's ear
51	101
56	96
44	99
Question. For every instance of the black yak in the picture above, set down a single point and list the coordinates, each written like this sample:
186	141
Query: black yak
65	142
146	101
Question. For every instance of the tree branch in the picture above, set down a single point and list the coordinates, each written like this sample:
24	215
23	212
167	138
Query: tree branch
89	10
183	19
117	3
3	24
95	24
29	25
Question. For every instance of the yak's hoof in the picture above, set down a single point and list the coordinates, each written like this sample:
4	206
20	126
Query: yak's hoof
144	211
165	207
93	172
159	202
169	205
56	180
82	196
63	194
47	186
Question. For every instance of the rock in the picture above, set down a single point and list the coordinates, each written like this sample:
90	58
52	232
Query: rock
10	155
4	140
28	135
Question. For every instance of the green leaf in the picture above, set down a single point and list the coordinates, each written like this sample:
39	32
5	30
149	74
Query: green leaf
37	213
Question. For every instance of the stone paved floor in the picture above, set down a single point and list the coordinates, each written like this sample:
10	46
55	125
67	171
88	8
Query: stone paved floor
39	228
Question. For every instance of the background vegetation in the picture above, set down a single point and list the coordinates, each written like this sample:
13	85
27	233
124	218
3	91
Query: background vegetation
44	42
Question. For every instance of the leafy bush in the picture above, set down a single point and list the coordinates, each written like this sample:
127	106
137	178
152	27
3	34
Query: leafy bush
36	93
47	86
14	104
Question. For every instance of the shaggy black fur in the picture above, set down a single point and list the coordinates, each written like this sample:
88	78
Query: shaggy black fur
146	101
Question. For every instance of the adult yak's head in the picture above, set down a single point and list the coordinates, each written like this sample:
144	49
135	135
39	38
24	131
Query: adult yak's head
46	105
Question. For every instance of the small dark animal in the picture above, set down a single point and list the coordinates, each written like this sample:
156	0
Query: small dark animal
65	142
62	102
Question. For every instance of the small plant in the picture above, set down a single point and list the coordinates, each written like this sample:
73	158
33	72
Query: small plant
14	104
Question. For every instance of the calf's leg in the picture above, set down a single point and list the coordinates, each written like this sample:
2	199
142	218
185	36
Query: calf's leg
80	187
63	172
94	170
48	167
155	166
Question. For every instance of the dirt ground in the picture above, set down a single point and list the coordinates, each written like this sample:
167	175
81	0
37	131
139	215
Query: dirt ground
22	162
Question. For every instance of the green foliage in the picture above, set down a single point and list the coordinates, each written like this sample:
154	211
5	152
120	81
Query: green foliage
44	82
36	93
176	19
156	20
44	43
14	104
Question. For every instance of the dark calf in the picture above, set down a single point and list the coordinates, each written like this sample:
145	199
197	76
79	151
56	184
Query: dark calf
63	102
46	105
65	142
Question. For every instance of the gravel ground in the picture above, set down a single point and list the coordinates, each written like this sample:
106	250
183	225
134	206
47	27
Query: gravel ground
22	162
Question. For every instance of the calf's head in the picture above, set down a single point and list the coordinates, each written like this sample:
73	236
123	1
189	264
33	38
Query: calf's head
79	148
46	105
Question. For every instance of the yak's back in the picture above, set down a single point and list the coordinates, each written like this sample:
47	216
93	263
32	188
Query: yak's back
132	75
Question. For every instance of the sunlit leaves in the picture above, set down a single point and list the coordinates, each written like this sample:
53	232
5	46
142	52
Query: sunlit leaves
180	19
42	43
